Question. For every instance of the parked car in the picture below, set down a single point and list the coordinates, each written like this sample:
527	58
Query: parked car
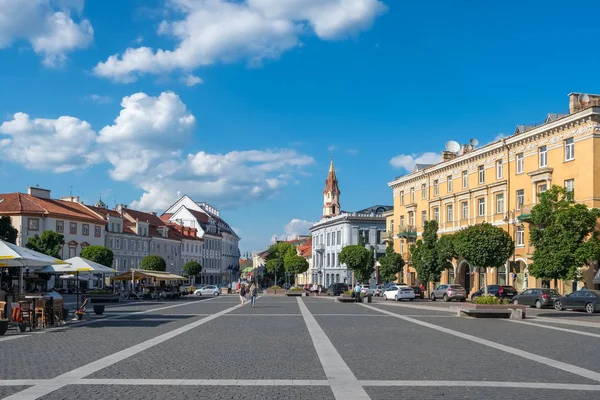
368	289
336	289
449	293
399	292
379	290
500	291
537	297
419	292
209	290
588	300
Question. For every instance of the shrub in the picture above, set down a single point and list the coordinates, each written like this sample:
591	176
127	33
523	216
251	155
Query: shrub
275	287
487	300
349	292
296	289
98	291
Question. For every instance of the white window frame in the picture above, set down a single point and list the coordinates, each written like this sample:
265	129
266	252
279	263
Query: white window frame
520	163
436	214
569	149
436	188
520	242
402	198
449	213
481	207
500	203
412	194
481	174
423	217
402	221
465	209
543	156
411	218
450	184
465	178
499	169
570	185
521	194
424	191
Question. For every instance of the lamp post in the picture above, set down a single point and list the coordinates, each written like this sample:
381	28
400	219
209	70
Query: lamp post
511	218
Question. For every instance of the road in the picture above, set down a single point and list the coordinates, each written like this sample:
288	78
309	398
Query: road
303	348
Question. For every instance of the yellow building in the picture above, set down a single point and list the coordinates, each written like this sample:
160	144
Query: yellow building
499	183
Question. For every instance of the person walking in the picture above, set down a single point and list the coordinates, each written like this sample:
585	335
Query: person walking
253	294
229	288
320	289
357	292
243	295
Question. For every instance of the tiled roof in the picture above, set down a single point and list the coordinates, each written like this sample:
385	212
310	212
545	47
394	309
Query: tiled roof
165	217
305	249
199	215
154	221
104	211
20	203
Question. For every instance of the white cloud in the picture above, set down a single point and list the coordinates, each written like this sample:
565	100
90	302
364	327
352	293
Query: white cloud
214	31
499	136
408	161
191	80
99	99
47	25
352	152
331	148
293	229
60	145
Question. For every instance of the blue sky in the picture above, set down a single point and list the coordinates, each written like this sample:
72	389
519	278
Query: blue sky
241	103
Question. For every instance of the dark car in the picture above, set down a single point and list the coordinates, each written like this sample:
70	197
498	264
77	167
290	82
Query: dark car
500	291
537	297
419	292
336	289
588	300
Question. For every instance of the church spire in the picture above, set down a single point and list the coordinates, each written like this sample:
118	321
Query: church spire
331	194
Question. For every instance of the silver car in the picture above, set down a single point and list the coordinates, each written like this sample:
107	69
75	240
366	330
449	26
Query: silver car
449	293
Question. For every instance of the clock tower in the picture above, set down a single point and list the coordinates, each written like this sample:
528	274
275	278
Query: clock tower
331	194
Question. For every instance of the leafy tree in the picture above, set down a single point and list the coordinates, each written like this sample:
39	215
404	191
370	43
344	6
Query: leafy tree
484	245
275	259
100	254
357	259
391	264
49	243
192	268
154	263
295	264
8	233
564	236
430	255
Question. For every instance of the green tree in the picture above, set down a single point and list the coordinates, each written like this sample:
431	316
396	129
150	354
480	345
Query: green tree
49	243
192	268
275	259
564	236
100	254
430	255
154	263
391	264
8	233
295	264
484	245
356	258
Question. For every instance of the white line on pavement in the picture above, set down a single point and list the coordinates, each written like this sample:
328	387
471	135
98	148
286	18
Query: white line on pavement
343	383
486	384
73	376
206	382
556	328
518	352
561	321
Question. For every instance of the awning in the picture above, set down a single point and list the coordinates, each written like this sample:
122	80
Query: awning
140	274
597	277
247	269
524	217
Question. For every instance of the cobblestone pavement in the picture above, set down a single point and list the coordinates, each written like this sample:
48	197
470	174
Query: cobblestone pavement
302	348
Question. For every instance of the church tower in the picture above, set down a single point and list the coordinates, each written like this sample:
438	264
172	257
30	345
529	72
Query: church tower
331	194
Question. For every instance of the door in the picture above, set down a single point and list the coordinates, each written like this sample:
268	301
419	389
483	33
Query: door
572	300
439	292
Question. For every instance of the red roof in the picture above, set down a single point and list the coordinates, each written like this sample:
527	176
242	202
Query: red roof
331	183
305	249
154	221
104	211
21	203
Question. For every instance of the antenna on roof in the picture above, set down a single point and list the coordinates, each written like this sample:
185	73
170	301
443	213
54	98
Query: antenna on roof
452	146
473	142
583	99
71	191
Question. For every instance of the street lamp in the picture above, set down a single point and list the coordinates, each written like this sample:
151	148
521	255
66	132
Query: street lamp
511	218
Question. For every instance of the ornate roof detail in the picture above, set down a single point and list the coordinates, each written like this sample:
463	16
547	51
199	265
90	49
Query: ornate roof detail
331	183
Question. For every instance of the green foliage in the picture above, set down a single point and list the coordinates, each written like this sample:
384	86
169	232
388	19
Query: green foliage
564	236
295	264
297	289
192	268
154	263
356	258
430	255
487	300
484	245
49	243
100	254
391	264
275	265
98	291
275	259
8	233
274	287
349	292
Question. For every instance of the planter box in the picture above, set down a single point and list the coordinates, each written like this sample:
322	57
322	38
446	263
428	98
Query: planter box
344	298
3	326
103	298
271	292
492	311
295	293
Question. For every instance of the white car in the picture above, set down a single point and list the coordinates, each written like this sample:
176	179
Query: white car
399	292
210	290
368	289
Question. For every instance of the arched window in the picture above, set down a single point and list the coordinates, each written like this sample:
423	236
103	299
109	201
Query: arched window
337	278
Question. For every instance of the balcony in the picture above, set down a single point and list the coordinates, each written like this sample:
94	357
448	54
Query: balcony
525	213
387	236
318	247
408	232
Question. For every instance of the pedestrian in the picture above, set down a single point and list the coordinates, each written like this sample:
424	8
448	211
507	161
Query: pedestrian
239	286
229	288
243	295
357	292
320	289
253	294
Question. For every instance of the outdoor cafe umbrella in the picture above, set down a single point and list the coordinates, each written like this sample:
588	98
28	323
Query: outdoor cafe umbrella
75	266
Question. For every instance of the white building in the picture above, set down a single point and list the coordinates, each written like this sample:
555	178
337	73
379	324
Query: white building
338	229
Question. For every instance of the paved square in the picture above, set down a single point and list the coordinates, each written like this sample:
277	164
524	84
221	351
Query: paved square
299	348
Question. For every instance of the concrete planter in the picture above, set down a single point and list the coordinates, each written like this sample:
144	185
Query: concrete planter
294	293
272	292
3	326
103	298
345	298
99	309
511	311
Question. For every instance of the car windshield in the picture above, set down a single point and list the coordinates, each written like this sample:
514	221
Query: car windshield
551	291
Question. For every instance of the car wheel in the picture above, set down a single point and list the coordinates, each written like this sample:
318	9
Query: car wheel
516	302
589	308
432	296
558	306
446	298
396	297
385	297
411	299
198	294
215	294
538	304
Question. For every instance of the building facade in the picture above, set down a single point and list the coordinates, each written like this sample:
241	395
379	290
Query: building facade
338	229
499	184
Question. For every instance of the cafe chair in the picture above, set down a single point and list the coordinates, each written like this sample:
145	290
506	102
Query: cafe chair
25	315
40	312
2	308
57	309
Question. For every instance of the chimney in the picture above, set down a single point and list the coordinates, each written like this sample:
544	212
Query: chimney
447	155
38	192
120	207
71	199
581	101
153	213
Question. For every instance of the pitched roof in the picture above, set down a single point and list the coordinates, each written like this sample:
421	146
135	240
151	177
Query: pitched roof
305	249
331	183
419	167
21	203
104	211
155	223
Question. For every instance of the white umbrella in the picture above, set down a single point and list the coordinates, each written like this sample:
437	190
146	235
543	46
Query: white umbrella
12	255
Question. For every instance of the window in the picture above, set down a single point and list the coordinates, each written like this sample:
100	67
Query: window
73	228
500	203
542	188
411	219
118	244
520	236
402	198
520	163
449	180
125	263
339	236
424	191
436	214
481	207
436	188
569	149
111	244
85	229
328	239
401	221
412	195
449	213
126	244
465	210
520	198
72	251
402	247
423	217
499	169
97	231
481	171
543	156
328	259
60	226
465	179
570	186
33	224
